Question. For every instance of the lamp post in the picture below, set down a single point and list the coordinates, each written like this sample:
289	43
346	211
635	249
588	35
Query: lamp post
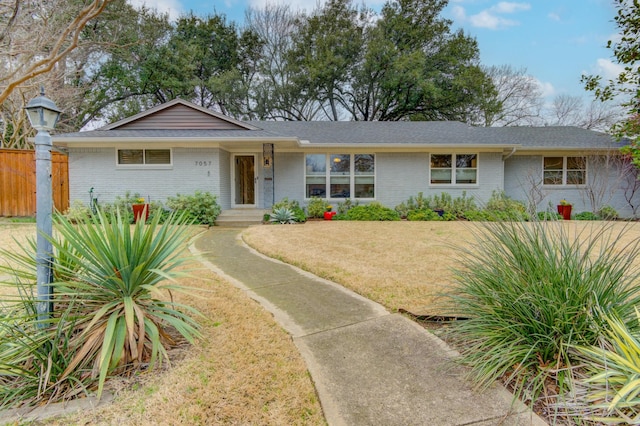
43	116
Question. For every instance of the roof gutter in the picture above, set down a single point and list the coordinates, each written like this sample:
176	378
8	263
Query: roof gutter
334	145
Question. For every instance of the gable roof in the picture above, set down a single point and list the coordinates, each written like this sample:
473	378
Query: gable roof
178	115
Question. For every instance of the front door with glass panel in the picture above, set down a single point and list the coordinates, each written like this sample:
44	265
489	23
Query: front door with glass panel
244	176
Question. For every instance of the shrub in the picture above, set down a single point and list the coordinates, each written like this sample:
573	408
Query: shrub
449	216
418	202
112	311
283	216
346	205
586	216
77	210
201	207
477	216
294	206
455	206
122	205
499	201
502	208
608	213
461	205
372	211
549	215
316	207
531	289
423	214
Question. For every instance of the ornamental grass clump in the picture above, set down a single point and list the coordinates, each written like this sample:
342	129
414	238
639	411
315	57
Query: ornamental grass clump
532	289
113	307
606	385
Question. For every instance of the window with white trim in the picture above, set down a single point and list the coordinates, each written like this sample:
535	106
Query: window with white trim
454	169
340	175
144	157
564	170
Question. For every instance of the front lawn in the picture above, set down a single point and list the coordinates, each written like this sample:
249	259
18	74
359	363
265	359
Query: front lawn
244	370
540	298
397	264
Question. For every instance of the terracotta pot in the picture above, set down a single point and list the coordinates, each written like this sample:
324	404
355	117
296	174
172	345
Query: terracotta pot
565	211
140	210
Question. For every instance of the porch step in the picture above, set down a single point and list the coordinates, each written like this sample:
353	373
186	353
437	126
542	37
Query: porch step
240	217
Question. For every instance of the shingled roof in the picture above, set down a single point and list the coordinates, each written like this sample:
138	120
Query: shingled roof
181	120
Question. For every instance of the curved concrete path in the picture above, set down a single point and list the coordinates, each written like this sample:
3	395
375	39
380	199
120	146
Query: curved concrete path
370	367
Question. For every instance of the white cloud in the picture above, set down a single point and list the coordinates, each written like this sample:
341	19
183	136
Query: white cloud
554	16
486	19
608	69
546	88
173	7
459	13
491	18
307	5
510	7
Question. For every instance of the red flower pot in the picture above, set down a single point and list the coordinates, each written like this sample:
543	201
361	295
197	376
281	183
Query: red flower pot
565	211
140	210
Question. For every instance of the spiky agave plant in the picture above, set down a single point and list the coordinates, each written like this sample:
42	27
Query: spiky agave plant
283	216
114	287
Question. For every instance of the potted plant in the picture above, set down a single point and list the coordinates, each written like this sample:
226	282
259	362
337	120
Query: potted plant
564	208
328	213
140	209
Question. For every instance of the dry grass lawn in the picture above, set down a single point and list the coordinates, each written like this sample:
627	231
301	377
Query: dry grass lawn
397	264
12	234
245	370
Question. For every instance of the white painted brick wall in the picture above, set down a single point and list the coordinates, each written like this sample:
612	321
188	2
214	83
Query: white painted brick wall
193	169
519	170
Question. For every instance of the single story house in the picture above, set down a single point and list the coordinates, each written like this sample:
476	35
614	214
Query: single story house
179	147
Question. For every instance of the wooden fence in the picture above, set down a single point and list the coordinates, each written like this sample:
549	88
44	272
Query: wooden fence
18	182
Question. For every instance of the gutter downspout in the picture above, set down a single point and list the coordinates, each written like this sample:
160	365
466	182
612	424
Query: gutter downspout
513	151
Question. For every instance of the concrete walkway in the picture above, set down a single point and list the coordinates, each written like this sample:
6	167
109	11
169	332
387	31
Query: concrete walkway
370	367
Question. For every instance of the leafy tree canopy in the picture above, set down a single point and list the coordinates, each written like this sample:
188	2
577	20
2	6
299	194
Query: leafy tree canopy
626	51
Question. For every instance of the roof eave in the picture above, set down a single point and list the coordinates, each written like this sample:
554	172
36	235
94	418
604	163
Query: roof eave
307	144
132	139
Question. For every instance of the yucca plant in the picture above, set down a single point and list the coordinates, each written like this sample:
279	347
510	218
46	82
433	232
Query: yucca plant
607	384
530	290
114	310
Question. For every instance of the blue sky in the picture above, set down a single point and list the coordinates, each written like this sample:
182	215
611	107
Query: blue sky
555	40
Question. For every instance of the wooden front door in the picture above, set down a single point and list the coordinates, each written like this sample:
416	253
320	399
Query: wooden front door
244	180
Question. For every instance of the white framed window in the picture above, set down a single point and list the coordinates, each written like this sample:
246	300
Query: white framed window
143	157
340	175
564	170
453	169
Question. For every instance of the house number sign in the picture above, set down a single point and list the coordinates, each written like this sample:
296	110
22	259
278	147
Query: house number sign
201	163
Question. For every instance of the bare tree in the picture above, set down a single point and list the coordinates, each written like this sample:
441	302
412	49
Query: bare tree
631	184
519	95
36	39
569	110
35	35
534	189
276	96
606	174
